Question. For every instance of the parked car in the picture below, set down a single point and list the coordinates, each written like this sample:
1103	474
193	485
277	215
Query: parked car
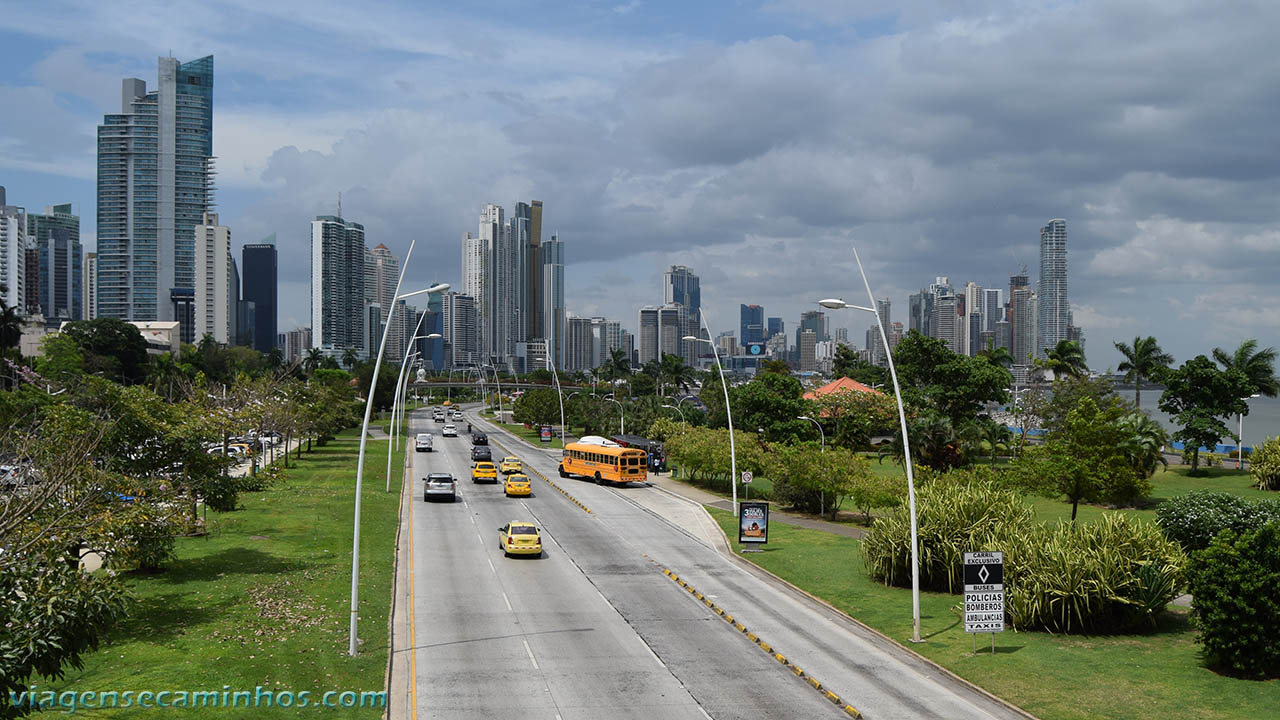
422	443
440	485
481	452
449	430
479	438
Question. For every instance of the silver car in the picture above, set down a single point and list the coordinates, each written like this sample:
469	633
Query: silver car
422	443
440	485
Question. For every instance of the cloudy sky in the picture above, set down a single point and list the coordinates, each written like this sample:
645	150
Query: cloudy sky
753	140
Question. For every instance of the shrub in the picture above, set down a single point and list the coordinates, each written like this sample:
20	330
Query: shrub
1108	575
1265	465
1233	585
1112	574
952	518
1194	519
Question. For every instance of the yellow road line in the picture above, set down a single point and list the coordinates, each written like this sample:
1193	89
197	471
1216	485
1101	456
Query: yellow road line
413	637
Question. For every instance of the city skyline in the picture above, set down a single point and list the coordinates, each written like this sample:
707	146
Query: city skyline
642	172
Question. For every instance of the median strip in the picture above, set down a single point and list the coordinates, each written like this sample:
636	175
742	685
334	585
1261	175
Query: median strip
548	481
779	657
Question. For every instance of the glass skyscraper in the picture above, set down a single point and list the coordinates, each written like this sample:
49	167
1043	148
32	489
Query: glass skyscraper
258	281
155	182
1052	321
56	236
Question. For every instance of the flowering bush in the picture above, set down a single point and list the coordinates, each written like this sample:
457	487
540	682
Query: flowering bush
1194	519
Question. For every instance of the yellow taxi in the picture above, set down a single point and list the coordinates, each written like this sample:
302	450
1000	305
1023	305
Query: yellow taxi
520	537
511	464
517	484
484	472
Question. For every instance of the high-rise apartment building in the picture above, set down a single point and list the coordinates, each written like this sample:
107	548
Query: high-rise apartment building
13	254
683	288
260	285
992	308
879	354
751	325
155	182
1054	308
90	291
647	328
460	329
579	344
673	326
381	271
946	322
215	294
57	283
1022	329
337	286
535	323
970	305
551	255
296	344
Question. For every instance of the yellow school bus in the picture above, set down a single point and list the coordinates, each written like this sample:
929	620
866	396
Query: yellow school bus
604	462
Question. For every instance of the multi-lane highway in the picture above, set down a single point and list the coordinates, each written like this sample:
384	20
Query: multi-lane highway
595	629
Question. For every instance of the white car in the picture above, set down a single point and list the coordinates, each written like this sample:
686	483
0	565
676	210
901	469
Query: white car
440	485
422	443
449	430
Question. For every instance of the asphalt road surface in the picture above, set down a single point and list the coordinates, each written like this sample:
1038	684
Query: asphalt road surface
594	629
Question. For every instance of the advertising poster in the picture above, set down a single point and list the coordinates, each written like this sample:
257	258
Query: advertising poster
545	434
753	522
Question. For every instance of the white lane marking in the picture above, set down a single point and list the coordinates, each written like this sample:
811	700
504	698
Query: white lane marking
704	713
532	659
495	571
505	599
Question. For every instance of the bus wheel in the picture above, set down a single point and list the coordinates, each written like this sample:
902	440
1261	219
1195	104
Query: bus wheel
599	480
563	474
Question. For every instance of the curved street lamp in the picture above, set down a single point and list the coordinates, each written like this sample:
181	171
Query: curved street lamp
622	420
733	451
677	409
838	304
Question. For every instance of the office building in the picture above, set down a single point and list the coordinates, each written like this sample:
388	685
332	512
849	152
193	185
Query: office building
338	317
90	291
969	304
13	254
431	322
682	288
946	322
578	344
1022	339
533	270
647	328
56	287
216	293
182	308
240	329
841	336
259	285
673	326
155	182
816	321
807	346
775	326
751	326
992	308
462	341
551	255
1051	296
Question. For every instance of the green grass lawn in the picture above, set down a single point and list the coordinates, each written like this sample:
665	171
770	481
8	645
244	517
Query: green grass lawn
1151	675
265	598
530	434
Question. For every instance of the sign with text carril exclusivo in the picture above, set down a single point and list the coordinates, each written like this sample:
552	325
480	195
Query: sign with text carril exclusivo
984	592
753	522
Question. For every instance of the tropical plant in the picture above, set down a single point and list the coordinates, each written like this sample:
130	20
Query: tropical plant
996	438
775	365
996	354
1234	600
674	372
313	361
848	364
1066	358
1264	464
350	358
957	386
1143	360
10	323
1258	366
1143	442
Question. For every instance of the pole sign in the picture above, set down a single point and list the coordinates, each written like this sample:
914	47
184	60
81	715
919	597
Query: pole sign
746	477
984	592
753	522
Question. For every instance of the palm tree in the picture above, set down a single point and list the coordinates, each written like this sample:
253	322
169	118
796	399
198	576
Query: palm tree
775	365
164	371
654	370
617	367
313	360
995	439
1257	365
1067	358
275	359
349	358
1144	359
674	371
1143	443
996	355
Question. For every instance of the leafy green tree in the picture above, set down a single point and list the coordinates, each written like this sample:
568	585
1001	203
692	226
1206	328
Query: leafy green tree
1142	361
1258	366
643	384
1066	393
958	387
1200	397
1233	584
112	347
540	406
1083	461
773	402
811	480
275	359
1066	358
775	365
10	324
847	364
851	418
996	354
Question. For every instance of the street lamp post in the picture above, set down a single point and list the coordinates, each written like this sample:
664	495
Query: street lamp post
622	420
677	409
497	381
836	304
724	385
559	395
822	448
1240	437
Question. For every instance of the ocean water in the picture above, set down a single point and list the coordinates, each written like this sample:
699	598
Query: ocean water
1262	422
